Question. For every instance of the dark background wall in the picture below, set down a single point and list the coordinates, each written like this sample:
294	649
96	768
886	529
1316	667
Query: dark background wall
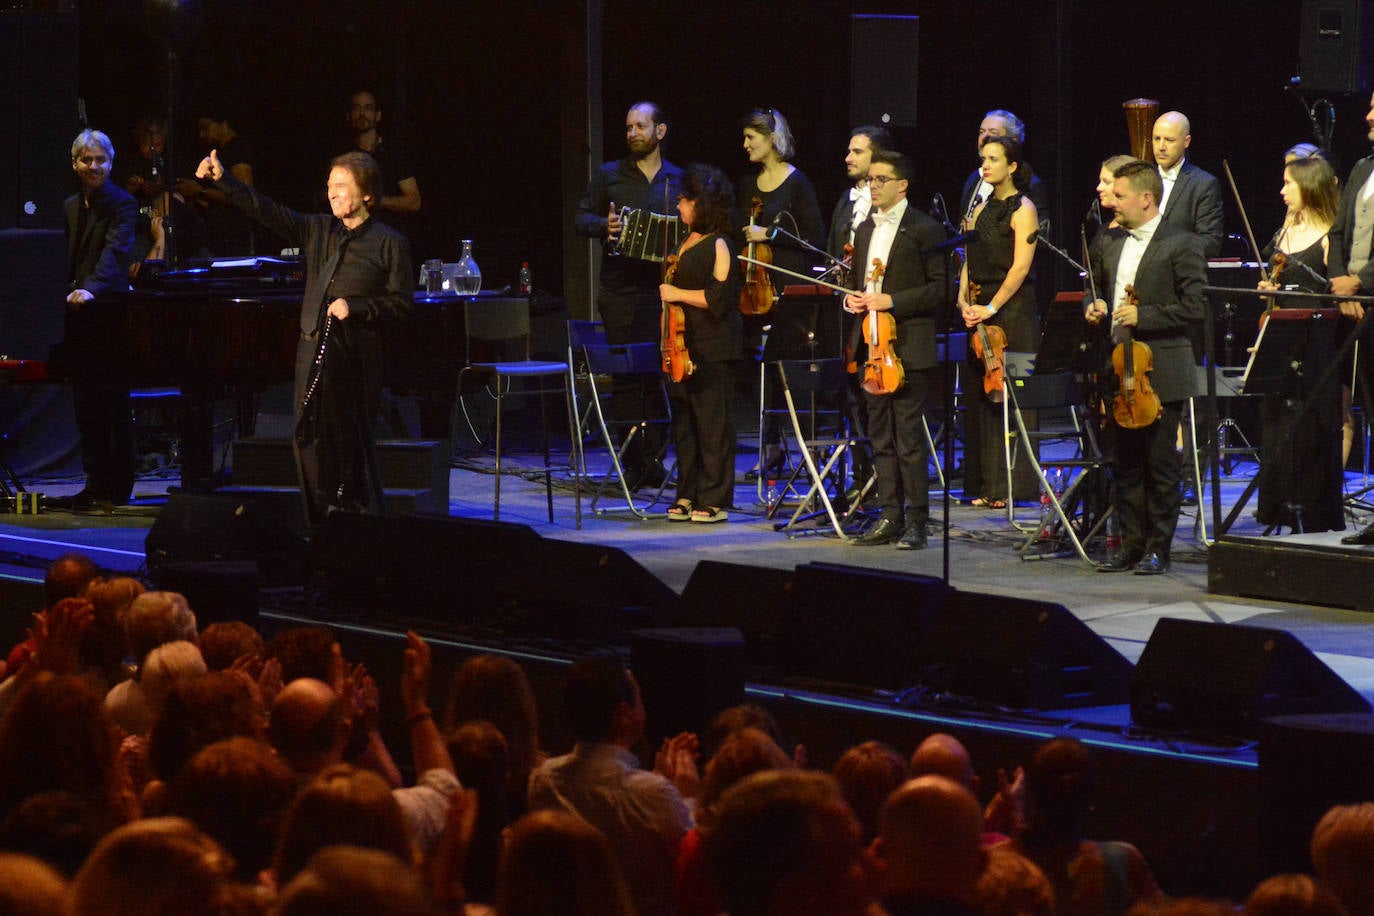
477	87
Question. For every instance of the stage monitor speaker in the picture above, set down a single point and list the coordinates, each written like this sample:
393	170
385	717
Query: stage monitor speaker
38	102
1307	764
218	527
1334	46
686	676
1021	654
882	70
217	590
449	570
1224	679
588	591
752	598
855	625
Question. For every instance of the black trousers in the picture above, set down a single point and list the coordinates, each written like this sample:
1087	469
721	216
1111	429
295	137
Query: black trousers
105	420
704	435
1148	469
900	455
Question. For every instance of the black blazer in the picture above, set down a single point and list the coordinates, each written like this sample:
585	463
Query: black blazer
1169	282
916	283
1195	206
839	226
1343	232
99	255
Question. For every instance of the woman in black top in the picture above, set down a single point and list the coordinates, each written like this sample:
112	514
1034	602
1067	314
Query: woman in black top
707	285
786	195
999	260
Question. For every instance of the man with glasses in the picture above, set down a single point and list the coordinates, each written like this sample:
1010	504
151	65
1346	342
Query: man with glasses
627	294
912	289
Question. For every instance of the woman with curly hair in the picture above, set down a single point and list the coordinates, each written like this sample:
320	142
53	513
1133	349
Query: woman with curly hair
706	285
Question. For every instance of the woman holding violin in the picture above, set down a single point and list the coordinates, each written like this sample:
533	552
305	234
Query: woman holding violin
1310	473
995	297
706	283
778	194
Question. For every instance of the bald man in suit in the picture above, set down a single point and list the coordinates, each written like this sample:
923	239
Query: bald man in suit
1192	197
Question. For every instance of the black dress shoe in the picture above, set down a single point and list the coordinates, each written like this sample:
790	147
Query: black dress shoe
1363	537
913	538
1152	564
885	532
1119	562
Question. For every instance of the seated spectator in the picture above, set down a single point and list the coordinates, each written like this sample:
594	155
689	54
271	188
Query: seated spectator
310	725
742	753
153	619
226	642
495	689
57	827
747	715
479	759
104	649
67	577
1088	877
1293	895
353	879
341	805
1182	906
868	773
785	841
237	791
1343	855
308	652
556	862
930	848
197	713
944	755
1012	885
56	737
165	667
30	887
161	866
642	813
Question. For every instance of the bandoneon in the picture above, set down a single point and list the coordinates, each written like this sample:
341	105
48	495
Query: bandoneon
648	236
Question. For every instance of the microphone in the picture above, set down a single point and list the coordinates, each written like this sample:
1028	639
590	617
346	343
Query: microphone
938	212
773	226
1094	212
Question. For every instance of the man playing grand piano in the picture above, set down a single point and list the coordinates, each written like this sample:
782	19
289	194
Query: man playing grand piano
358	278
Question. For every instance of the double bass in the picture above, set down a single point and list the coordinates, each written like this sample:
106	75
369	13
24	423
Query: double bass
1137	405
677	362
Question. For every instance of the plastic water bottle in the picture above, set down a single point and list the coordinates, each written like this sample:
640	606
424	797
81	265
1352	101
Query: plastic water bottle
771	496
524	283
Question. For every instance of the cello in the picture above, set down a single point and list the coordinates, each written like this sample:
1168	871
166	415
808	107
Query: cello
883	372
677	362
1136	405
990	346
756	296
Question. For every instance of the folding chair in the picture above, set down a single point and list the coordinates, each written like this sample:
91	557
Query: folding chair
1073	515
639	359
822	456
497	322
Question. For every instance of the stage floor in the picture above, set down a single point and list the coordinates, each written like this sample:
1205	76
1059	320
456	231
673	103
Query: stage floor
982	546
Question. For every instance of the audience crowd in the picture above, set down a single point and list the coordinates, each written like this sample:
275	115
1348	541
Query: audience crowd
151	767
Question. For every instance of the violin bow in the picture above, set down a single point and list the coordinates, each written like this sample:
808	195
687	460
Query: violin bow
1088	262
1245	220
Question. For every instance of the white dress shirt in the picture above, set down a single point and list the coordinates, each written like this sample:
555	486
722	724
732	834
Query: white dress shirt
1137	240
884	232
1169	176
862	201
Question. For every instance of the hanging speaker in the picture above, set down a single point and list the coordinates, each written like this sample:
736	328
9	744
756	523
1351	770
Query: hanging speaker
1334	50
882	70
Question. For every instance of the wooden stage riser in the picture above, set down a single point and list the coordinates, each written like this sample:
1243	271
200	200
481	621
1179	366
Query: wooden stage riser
1261	568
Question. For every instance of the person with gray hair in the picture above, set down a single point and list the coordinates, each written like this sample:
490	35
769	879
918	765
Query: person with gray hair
100	220
1000	123
153	619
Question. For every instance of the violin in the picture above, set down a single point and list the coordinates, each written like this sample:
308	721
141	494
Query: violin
677	362
1277	263
756	298
1136	405
990	346
883	372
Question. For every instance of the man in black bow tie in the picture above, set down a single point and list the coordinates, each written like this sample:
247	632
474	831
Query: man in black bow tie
912	289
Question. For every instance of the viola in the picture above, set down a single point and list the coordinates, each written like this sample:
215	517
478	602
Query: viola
677	362
1136	405
756	297
990	346
883	372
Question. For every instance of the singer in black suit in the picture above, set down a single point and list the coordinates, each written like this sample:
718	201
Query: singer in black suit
1165	267
100	223
1194	202
912	289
